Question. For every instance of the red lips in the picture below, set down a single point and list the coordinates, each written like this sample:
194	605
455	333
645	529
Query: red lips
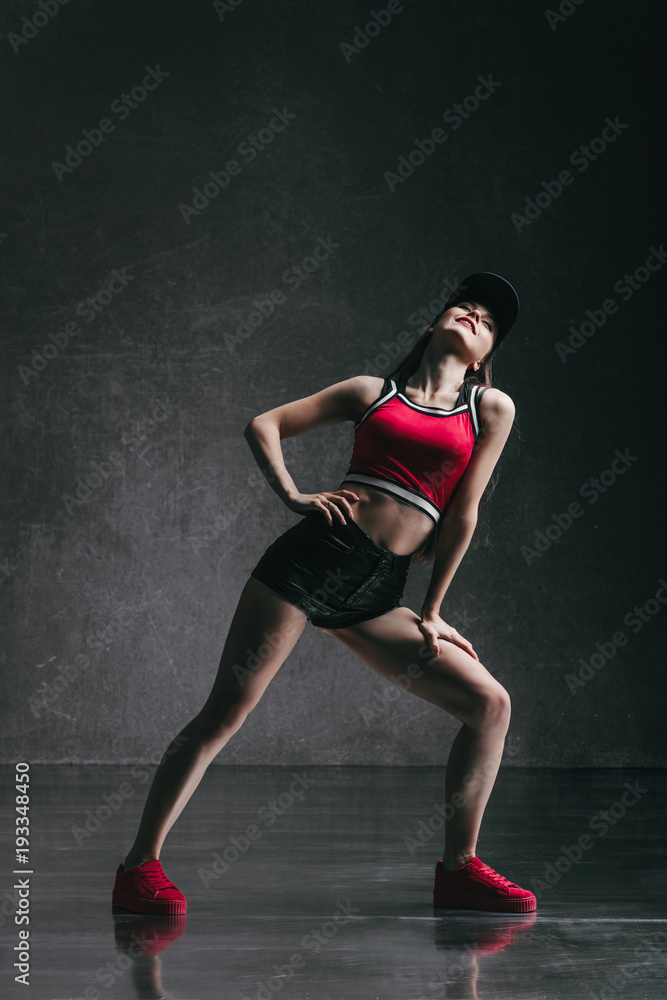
466	319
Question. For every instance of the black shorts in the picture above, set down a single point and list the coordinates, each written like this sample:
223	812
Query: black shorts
336	574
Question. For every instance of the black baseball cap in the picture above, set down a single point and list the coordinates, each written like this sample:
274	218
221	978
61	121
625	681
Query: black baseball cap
492	291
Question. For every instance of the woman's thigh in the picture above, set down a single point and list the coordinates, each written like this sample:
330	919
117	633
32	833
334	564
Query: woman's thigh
393	645
263	631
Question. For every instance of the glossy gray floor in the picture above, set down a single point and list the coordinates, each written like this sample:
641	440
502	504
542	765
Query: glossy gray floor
316	882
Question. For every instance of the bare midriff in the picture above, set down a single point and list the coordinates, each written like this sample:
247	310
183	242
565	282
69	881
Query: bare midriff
394	525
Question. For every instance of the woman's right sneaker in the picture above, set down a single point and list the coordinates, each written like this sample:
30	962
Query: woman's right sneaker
146	889
476	886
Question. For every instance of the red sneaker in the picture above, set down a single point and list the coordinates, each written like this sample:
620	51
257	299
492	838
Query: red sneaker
478	887
146	889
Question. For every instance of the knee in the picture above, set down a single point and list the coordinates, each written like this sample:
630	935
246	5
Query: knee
493	708
217	724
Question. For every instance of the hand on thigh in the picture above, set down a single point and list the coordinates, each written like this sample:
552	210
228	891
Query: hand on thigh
393	645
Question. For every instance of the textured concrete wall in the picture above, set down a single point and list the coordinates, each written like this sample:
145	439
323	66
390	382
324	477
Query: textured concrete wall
132	512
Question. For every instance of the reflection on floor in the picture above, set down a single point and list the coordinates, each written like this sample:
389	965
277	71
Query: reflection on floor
316	882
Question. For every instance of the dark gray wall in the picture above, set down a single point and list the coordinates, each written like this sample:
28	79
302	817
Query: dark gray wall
132	512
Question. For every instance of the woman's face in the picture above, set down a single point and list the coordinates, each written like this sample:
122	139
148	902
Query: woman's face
475	324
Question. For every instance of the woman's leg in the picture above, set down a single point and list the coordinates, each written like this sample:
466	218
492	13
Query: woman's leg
262	633
457	682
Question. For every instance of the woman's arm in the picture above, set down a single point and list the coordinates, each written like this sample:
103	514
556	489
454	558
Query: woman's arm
333	405
460	517
263	437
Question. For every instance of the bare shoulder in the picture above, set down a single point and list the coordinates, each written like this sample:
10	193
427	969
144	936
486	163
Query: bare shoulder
496	408
496	413
364	389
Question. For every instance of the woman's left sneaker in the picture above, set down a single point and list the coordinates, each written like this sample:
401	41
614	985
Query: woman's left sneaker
475	886
146	889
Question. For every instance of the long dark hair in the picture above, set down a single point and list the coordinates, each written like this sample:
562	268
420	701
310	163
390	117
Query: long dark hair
483	376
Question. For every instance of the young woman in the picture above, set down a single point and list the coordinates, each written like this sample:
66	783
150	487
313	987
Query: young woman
426	442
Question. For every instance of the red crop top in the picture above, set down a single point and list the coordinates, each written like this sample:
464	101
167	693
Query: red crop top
416	453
